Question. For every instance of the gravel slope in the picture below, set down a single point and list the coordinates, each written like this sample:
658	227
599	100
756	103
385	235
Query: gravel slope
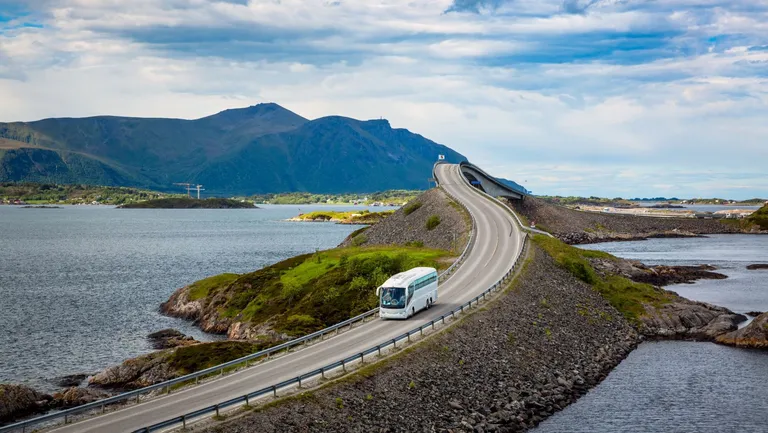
400	228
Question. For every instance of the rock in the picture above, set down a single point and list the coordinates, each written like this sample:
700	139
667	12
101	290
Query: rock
456	405
136	372
76	396
17	401
753	313
685	319
655	275
168	338
754	335
757	266
70	380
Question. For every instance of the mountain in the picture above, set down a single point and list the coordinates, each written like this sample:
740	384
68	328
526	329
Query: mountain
259	149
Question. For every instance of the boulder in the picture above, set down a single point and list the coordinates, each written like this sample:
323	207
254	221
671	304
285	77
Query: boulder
76	396
136	372
757	266
685	319
169	338
17	401
70	380
754	335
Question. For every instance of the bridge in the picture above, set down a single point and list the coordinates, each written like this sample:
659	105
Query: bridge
487	183
490	258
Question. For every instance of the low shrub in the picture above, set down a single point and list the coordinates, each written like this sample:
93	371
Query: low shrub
432	222
411	207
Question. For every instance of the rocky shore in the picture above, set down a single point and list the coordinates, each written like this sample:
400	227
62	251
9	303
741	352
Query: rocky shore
577	227
753	336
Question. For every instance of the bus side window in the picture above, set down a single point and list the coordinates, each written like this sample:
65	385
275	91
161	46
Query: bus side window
410	292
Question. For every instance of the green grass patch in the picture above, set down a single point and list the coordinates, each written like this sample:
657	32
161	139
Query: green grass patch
355	216
627	296
411	207
309	292
202	288
432	222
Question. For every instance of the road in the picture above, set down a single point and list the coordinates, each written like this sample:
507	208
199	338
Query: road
498	241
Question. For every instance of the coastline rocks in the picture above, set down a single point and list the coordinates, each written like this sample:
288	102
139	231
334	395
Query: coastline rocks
136	372
169	338
70	380
76	396
753	313
578	227
688	320
754	335
660	275
757	266
17	401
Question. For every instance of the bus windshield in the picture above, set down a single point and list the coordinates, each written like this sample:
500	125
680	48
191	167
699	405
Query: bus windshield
392	297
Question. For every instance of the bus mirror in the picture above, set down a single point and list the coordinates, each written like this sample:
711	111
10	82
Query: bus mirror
378	291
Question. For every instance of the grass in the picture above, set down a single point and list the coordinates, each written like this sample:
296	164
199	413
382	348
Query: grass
202	288
356	216
627	296
411	207
189	359
432	222
312	291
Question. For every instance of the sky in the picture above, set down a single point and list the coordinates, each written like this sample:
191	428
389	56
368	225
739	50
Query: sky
610	98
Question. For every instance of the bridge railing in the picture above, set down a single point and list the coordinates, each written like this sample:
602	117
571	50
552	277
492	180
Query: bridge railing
342	363
221	369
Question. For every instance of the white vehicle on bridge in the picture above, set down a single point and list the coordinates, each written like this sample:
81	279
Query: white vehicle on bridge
406	293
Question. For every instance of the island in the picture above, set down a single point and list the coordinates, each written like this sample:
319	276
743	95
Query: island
190	203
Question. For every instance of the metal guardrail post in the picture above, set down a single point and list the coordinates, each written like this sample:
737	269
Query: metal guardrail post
274	391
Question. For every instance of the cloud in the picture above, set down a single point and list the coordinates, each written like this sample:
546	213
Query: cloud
606	97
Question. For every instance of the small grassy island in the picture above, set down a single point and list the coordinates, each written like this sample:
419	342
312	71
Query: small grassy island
347	217
189	203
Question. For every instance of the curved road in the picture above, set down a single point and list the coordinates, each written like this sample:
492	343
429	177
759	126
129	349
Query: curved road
498	241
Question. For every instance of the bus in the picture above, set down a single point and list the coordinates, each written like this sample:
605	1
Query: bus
407	293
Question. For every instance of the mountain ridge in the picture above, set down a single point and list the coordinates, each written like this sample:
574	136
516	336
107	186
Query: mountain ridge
258	149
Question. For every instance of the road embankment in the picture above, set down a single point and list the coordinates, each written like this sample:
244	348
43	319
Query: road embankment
577	227
530	353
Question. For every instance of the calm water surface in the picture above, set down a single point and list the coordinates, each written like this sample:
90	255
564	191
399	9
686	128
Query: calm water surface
683	386
80	286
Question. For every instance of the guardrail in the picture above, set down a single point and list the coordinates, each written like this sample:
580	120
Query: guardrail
135	395
502	204
298	380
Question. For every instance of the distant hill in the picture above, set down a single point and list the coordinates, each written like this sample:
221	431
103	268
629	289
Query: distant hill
261	149
189	203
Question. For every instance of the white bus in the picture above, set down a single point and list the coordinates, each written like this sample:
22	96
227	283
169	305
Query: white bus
403	294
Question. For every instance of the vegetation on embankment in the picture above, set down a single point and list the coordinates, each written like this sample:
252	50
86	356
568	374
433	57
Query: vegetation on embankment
299	295
44	193
627	296
578	227
190	203
343	217
391	197
654	311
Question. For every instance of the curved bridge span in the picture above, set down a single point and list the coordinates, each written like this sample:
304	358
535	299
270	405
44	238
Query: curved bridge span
497	243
